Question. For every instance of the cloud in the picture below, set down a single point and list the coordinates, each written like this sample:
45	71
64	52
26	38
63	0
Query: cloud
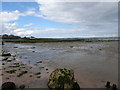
6	16
70	33
9	27
12	28
24	33
28	25
88	13
9	16
98	17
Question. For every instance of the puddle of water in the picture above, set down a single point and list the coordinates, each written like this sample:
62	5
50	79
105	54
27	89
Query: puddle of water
27	53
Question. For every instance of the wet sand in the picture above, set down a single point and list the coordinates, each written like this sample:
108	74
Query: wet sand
94	63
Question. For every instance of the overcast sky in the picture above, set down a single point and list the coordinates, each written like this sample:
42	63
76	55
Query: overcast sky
60	19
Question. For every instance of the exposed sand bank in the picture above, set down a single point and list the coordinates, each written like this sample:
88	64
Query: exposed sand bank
93	63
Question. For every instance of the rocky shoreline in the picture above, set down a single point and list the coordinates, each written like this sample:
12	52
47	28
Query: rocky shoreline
19	72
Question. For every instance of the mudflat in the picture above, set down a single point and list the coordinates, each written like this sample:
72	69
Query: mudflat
93	63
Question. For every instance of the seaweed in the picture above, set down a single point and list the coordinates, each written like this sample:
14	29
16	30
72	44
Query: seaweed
22	73
11	71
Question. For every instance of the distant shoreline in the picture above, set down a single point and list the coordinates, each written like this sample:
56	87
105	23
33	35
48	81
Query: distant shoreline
53	40
18	39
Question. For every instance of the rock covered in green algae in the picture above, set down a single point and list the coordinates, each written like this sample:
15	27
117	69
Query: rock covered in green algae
63	79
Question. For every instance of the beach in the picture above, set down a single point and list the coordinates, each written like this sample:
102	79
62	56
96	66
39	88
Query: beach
93	63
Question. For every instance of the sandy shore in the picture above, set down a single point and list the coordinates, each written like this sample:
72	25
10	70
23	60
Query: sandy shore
93	63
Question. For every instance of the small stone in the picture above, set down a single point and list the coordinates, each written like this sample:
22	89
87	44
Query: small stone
6	54
32	47
71	46
2	43
30	67
114	87
39	62
22	87
15	47
25	57
20	57
46	69
4	59
30	76
107	85
7	78
38	76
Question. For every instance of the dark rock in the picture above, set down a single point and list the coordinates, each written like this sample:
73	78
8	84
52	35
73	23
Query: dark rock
62	79
114	87
33	51
25	57
32	47
38	76
22	87
3	63
39	62
107	85
7	78
6	54
8	86
30	75
4	59
76	86
20	57
14	55
46	69
2	43
30	67
15	47
71	46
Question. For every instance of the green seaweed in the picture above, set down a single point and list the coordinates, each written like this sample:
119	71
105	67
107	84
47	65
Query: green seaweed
11	71
22	86
22	73
38	73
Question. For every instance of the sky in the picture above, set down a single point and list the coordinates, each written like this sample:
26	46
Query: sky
60	19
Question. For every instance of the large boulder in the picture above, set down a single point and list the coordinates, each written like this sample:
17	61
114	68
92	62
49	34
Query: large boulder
8	86
62	79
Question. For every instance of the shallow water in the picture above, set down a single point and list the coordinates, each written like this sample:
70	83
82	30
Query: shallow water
29	53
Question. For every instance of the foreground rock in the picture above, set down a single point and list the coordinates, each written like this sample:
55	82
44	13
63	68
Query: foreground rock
5	53
8	86
62	79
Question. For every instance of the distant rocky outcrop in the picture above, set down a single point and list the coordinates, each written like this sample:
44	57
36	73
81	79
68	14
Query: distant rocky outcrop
62	79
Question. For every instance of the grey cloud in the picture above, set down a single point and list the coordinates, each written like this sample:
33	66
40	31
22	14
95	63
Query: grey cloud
96	16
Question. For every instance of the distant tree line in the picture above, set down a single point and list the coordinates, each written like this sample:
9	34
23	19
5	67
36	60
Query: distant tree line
5	36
